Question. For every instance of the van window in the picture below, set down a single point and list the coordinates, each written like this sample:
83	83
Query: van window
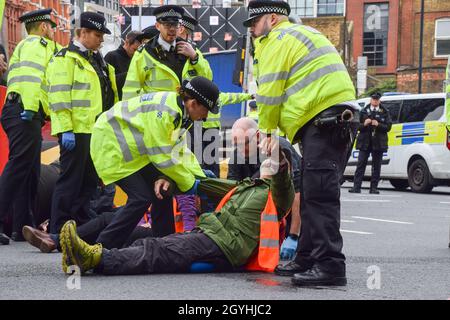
422	110
393	107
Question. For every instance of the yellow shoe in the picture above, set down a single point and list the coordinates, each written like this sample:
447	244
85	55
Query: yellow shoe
76	252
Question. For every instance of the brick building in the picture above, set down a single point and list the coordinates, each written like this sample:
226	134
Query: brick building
387	32
15	31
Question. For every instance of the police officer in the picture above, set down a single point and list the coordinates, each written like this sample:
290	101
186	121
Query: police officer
164	62
141	140
22	118
80	86
375	123
303	88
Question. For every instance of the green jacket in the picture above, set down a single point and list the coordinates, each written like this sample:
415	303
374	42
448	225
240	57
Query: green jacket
299	74
235	229
447	96
74	92
143	130
27	70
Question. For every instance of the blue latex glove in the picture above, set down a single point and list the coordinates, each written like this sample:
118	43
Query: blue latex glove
288	249
193	191
209	173
27	115
68	140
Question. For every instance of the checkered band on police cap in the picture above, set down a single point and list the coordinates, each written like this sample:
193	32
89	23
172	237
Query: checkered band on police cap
209	102
188	25
168	14
268	9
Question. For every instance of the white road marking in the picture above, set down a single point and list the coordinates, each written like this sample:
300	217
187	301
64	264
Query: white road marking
364	200
349	221
357	232
445	202
381	220
377	195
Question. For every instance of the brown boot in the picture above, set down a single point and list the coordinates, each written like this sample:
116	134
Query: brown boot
39	239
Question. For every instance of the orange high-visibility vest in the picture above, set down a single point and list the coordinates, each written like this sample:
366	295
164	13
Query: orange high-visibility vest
267	256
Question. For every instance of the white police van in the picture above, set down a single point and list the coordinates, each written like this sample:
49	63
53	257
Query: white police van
419	143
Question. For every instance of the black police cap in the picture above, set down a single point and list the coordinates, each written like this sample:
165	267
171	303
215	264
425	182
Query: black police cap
375	95
257	8
148	33
168	13
204	91
38	15
189	23
93	21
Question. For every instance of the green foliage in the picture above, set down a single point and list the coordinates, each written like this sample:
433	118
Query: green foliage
382	87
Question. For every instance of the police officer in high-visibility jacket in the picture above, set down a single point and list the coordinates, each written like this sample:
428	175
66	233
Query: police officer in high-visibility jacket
163	63
80	86
22	118
142	139
304	89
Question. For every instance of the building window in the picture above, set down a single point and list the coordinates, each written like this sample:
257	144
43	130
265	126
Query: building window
375	37
330	7
442	38
302	8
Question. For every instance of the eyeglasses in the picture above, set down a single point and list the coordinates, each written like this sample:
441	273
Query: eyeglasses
171	25
256	20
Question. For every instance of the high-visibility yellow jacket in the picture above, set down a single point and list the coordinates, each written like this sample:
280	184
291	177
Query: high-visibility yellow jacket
254	115
447	96
27	70
213	120
299	74
74	92
143	130
147	74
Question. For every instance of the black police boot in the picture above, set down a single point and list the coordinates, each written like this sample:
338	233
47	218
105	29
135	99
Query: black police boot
291	268
374	191
354	190
318	277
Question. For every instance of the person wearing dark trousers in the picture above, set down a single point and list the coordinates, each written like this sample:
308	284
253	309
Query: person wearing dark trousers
22	118
76	97
375	123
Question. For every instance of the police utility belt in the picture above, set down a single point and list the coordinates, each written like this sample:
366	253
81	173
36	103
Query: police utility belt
334	116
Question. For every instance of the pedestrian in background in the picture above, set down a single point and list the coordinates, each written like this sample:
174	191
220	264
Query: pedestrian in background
375	123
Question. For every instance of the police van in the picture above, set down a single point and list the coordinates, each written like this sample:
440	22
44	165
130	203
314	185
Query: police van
419	143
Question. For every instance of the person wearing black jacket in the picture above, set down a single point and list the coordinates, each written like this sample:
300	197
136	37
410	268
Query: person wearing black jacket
375	123
121	57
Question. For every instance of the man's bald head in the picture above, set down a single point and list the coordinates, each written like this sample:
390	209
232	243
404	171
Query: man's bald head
245	136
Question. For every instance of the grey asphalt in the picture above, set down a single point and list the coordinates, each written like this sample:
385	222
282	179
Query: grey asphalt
410	251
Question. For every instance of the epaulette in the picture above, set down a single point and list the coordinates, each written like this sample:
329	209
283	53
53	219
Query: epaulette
61	53
44	42
141	47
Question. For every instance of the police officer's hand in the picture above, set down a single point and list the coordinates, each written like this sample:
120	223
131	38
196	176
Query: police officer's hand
68	140
375	123
3	65
161	188
288	248
367	122
27	115
186	49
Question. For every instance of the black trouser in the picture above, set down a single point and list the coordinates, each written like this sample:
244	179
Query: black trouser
377	157
139	188
207	152
172	254
75	186
90	231
20	177
324	160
